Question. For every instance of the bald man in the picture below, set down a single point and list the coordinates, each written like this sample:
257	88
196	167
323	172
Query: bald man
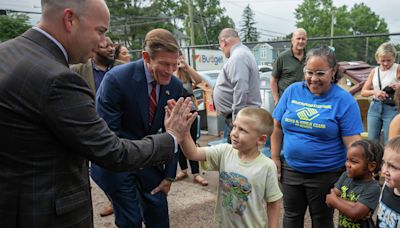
237	85
49	127
288	67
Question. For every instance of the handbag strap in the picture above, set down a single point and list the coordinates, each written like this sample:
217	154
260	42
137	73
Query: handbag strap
379	79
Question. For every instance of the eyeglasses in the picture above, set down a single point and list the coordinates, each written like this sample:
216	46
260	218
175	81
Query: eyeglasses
316	73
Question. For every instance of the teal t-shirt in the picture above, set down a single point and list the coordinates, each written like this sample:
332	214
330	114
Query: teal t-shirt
313	127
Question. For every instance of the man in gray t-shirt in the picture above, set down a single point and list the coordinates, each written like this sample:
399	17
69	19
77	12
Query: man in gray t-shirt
238	83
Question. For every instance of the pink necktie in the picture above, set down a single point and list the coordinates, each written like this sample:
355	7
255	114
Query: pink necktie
152	102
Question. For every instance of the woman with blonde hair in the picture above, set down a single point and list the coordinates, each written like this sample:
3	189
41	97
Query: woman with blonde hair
381	84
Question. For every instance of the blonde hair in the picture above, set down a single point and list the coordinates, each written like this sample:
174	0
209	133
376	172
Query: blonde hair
384	49
262	117
394	144
183	73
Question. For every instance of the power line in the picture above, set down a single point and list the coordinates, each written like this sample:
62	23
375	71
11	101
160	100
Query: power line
242	7
309	39
264	1
265	30
258	28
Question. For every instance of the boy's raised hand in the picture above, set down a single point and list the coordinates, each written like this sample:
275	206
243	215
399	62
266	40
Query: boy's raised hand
178	118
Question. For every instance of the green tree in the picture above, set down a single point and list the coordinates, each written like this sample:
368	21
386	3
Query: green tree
13	25
209	20
132	19
248	31
365	21
317	16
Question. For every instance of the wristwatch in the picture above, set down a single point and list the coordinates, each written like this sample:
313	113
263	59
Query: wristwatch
170	179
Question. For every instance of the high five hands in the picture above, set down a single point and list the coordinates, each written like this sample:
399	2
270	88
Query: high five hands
178	117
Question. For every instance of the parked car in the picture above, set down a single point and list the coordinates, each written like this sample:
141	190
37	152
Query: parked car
265	90
264	68
209	76
198	94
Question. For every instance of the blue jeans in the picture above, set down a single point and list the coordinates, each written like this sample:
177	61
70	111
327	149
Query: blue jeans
379	117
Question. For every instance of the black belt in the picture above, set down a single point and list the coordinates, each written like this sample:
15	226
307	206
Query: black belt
229	116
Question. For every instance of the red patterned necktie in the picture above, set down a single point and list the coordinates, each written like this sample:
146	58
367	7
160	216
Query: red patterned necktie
152	102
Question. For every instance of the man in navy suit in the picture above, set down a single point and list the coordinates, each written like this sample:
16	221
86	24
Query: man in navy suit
123	101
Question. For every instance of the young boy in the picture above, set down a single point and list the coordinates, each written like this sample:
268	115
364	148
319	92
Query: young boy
247	179
389	205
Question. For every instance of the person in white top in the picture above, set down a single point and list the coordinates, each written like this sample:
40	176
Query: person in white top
381	84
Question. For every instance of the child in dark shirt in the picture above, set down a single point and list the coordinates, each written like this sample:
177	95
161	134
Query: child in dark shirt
356	193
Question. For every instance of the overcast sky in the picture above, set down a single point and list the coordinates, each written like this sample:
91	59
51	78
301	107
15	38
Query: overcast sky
273	17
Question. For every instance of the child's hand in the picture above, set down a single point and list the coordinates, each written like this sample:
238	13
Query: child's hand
170	105
331	198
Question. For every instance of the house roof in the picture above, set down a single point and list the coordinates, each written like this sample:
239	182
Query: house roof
261	44
250	46
356	70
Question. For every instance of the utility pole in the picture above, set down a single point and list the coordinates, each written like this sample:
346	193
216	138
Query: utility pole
366	49
191	27
333	21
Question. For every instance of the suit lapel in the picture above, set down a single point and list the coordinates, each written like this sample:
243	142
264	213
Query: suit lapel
142	95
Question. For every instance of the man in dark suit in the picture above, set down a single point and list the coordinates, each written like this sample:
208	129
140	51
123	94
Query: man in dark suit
123	100
49	126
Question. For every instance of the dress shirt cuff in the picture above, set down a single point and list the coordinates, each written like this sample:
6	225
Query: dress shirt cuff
175	142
